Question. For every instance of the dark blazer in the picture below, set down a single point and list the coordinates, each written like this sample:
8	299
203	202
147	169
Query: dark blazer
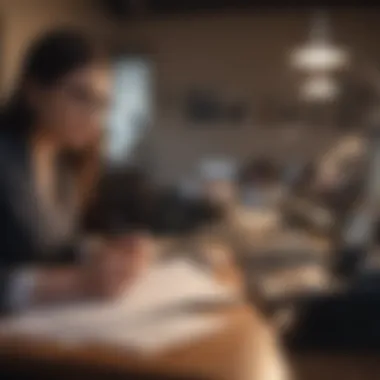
30	232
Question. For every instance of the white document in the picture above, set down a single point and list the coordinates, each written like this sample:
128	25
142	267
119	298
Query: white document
153	315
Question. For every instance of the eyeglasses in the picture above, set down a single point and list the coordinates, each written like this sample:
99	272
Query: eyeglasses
86	97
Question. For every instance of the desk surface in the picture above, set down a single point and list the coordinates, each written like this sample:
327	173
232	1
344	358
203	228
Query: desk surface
219	356
233	353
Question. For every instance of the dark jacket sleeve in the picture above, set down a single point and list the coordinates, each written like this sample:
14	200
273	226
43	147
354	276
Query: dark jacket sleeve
21	239
19	244
8	256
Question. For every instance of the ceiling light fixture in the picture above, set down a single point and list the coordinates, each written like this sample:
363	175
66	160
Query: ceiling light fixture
319	54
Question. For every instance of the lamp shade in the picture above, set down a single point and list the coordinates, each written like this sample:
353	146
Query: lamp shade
319	56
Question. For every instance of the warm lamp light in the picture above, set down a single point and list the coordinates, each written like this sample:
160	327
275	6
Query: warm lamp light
319	53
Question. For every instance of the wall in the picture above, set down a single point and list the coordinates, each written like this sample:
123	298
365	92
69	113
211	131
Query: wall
242	57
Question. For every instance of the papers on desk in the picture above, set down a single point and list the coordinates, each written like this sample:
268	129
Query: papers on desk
252	220
291	282
157	313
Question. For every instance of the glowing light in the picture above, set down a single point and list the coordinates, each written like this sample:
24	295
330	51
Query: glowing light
319	53
319	56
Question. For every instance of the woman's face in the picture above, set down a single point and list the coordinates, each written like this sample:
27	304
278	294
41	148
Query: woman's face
74	109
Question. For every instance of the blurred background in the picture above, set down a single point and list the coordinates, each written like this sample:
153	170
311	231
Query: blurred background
252	123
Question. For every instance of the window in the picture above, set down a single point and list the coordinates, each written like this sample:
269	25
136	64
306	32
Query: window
131	108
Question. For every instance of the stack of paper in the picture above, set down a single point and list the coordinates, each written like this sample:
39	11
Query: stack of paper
154	314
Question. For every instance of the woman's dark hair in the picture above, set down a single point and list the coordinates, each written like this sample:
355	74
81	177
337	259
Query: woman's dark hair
48	60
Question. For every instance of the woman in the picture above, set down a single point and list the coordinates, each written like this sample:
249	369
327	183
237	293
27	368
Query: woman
49	142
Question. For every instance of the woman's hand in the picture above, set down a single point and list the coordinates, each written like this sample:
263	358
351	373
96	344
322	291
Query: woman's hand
109	270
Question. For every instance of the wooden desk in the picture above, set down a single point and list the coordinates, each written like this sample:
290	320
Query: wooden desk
239	352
